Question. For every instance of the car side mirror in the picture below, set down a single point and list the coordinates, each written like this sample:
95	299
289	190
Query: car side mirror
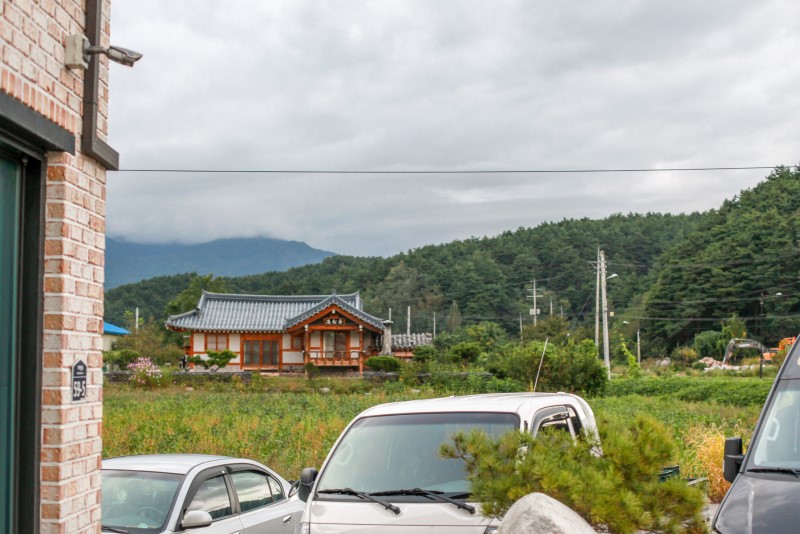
196	519
733	457
307	478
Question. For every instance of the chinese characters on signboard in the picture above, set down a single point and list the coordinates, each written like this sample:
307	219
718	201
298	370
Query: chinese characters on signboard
333	321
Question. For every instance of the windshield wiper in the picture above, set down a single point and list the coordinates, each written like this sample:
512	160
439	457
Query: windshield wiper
362	495
781	470
429	493
106	528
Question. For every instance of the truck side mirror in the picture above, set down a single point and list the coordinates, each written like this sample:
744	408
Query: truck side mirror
733	457
307	478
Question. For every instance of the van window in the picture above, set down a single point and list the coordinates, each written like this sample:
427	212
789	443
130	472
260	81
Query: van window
778	441
555	417
402	451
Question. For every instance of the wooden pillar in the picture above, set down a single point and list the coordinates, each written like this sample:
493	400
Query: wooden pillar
306	346
361	350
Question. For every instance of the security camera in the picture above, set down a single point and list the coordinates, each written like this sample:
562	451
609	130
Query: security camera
79	50
123	55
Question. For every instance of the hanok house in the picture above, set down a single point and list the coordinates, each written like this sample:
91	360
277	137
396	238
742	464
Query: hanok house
277	333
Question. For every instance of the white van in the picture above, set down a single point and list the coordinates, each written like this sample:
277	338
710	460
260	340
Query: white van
385	474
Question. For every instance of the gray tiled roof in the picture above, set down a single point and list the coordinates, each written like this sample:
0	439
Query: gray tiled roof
411	341
263	313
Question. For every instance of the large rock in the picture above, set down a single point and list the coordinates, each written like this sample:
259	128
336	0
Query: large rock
542	514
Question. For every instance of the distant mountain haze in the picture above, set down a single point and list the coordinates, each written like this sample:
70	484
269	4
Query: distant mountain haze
132	262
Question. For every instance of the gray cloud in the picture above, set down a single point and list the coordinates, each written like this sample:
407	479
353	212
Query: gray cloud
446	85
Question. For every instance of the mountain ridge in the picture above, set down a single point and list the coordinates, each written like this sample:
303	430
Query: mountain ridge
128	262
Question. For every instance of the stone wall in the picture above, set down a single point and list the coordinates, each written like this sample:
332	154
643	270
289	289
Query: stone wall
34	34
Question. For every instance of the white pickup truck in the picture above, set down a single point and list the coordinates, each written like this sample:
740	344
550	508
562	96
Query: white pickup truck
385	474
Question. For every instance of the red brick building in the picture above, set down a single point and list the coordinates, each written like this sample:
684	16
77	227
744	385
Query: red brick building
53	162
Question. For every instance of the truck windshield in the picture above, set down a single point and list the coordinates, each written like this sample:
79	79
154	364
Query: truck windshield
777	444
402	451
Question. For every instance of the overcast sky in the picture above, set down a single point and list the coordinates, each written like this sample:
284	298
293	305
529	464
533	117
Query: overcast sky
440	85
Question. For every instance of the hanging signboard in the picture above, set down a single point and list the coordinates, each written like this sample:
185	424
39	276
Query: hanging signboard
79	381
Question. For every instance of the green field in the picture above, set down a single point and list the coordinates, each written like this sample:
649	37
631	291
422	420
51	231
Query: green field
288	430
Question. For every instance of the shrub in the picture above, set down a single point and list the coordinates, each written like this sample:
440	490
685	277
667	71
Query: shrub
574	368
119	358
466	352
144	373
312	370
721	389
425	354
448	382
214	360
683	357
619	489
388	364
709	343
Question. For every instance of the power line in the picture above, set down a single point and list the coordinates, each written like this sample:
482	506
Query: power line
481	171
710	319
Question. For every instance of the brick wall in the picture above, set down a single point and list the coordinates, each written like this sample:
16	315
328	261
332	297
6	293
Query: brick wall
33	34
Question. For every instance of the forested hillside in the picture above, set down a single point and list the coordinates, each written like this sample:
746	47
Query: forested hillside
741	259
678	275
485	278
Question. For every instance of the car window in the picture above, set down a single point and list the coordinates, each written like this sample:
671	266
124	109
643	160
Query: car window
253	489
212	497
137	498
575	420
277	490
554	417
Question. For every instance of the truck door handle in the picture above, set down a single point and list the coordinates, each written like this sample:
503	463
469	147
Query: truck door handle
287	519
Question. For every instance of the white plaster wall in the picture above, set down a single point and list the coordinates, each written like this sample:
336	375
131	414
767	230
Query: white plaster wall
235	343
199	342
354	340
292	357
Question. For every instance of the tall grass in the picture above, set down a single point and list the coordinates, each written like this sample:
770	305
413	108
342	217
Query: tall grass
699	429
290	426
286	431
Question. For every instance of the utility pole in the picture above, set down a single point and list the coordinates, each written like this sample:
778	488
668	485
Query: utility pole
551	306
606	358
520	327
408	322
638	347
434	325
596	304
136	320
534	296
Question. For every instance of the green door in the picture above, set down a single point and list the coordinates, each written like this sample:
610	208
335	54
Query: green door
10	192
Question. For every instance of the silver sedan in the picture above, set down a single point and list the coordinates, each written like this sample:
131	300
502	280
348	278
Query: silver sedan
162	493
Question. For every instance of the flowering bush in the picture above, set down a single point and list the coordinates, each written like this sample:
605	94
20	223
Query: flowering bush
145	373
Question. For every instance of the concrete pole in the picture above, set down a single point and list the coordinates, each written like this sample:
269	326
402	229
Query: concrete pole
638	347
408	322
606	357
596	305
